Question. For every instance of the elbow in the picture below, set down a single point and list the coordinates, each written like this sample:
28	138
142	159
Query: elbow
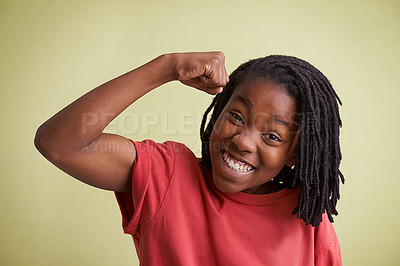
42	144
39	141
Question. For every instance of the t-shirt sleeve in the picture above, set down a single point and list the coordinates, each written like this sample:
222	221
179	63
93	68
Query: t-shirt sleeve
327	251
330	257
151	174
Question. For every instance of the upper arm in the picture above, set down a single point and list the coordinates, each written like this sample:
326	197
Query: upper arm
327	249
106	163
331	256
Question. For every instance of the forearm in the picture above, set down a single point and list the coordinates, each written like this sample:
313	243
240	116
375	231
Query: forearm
81	122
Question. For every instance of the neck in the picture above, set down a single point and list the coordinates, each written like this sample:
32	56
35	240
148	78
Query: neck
266	188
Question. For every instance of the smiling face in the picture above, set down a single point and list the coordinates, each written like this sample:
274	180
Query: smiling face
254	137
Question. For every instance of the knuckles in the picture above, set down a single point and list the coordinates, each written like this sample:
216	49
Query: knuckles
208	64
218	57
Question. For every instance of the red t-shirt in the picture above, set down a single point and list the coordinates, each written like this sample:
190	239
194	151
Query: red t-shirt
177	216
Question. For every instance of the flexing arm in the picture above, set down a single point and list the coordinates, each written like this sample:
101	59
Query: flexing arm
73	140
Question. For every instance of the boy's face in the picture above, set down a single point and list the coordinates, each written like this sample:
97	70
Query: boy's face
254	137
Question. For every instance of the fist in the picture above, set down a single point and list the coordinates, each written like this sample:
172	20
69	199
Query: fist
204	71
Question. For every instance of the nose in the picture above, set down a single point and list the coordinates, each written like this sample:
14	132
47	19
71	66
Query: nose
245	141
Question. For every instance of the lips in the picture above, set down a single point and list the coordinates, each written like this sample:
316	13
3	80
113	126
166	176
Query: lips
235	164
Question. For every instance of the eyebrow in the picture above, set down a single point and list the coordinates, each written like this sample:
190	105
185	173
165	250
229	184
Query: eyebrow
249	105
242	99
279	120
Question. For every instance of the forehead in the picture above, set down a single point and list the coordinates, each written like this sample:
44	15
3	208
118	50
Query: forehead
264	96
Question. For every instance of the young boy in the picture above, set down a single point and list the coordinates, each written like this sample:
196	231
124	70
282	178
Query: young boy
270	149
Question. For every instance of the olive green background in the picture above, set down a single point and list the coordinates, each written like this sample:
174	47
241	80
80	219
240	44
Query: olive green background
52	52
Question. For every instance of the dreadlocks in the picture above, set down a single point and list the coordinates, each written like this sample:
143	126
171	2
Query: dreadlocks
316	171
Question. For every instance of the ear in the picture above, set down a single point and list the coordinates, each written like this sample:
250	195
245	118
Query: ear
292	158
293	154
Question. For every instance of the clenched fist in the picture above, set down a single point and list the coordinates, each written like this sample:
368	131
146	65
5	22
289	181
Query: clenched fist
204	71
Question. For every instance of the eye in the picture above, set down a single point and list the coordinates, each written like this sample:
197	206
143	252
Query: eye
237	118
272	137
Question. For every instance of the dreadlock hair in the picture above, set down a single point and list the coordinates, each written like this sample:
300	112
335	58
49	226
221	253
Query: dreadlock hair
316	170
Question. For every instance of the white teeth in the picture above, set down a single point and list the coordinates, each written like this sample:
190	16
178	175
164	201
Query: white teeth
237	166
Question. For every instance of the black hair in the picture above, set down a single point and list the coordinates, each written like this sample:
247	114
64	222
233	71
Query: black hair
316	170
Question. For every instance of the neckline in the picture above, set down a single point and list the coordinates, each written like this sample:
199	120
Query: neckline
257	199
251	199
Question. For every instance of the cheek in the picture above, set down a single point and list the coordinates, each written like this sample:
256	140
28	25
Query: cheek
274	159
221	130
216	143
225	128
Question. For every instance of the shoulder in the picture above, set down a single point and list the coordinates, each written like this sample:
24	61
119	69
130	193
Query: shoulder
169	146
325	231
327	247
168	153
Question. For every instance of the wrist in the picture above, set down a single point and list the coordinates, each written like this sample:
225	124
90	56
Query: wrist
169	62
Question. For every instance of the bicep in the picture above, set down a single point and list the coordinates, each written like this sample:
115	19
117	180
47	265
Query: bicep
106	163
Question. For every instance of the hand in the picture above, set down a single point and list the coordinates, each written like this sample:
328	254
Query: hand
204	71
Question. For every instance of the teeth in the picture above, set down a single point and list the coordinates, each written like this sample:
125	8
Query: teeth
238	165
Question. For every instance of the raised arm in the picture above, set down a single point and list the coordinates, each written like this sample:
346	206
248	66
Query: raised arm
73	140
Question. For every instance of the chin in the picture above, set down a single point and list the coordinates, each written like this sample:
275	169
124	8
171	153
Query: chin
227	188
